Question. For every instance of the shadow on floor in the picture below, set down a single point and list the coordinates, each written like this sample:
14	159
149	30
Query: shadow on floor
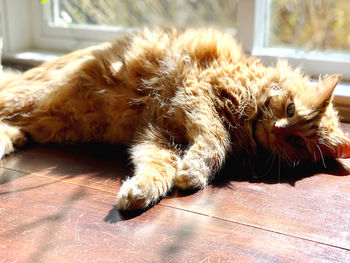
261	171
111	162
69	161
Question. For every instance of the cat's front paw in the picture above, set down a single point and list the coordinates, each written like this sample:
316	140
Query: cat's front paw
191	175
134	195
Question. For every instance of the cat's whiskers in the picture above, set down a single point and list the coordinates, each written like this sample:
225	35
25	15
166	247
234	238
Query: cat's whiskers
321	156
284	155
314	154
291	162
296	163
328	145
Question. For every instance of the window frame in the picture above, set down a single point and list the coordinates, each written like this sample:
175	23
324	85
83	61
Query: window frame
70	38
315	63
250	33
26	27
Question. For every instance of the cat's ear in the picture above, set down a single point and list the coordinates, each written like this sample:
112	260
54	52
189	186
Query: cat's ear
325	88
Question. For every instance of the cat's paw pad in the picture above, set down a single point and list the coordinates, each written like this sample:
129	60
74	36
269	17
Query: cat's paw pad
191	176
133	196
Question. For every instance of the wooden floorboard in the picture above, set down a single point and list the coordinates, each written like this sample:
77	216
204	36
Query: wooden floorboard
57	204
315	208
94	165
47	220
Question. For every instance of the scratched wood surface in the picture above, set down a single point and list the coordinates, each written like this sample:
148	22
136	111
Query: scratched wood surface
57	204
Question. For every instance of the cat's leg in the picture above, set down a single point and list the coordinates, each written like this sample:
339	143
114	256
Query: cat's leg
155	169
210	142
10	139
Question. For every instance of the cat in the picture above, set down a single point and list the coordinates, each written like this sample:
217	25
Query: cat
182	101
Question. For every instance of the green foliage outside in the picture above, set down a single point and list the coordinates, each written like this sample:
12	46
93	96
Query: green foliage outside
307	24
152	13
310	24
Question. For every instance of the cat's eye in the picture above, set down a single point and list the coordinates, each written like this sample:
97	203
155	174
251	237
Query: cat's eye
296	141
290	110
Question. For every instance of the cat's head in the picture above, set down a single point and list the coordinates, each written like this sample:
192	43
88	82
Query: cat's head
297	121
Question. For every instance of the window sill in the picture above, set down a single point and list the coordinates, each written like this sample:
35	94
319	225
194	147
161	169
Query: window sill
30	57
36	57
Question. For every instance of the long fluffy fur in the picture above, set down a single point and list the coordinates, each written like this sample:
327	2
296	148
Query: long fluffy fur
182	101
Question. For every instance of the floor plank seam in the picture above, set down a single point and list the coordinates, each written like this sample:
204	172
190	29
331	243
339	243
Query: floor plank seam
260	228
16	170
62	180
182	209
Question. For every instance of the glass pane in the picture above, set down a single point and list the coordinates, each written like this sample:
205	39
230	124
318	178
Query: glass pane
310	24
149	13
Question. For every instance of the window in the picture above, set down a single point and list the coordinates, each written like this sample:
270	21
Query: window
310	25
72	24
270	38
132	14
313	34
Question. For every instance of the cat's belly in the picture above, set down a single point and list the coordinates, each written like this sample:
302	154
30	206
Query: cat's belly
121	126
94	126
82	118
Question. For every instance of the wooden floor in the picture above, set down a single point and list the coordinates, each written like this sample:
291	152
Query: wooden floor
57	204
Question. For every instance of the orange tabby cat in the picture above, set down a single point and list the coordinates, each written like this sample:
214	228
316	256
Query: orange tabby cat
182	101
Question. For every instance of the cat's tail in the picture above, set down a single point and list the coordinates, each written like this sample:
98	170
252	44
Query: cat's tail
7	77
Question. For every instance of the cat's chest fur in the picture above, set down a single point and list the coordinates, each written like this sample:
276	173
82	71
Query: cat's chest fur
112	91
182	101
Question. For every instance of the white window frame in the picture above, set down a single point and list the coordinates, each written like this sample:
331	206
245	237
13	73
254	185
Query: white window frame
69	38
28	37
250	32
314	62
